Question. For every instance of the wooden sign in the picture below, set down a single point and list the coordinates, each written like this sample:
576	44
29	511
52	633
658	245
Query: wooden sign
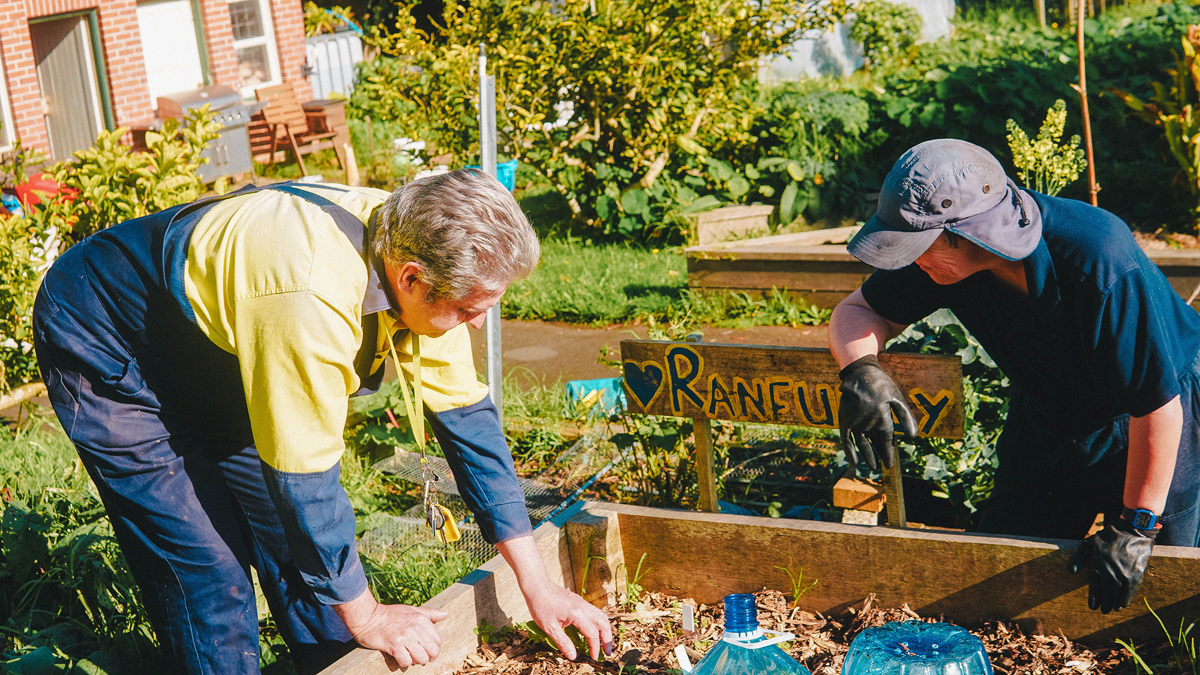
778	385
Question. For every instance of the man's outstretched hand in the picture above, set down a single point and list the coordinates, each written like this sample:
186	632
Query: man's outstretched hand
554	608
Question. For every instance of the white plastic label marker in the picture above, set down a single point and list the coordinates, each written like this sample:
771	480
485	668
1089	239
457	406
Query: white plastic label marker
685	664
689	619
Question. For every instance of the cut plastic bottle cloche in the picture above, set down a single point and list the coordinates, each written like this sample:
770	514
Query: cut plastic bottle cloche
916	648
745	648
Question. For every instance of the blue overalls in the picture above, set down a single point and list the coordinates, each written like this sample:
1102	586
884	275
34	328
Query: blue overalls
158	415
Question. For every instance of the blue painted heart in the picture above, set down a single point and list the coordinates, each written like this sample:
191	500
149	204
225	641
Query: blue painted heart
643	382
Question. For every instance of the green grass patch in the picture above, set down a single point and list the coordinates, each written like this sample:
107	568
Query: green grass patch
417	574
577	282
603	284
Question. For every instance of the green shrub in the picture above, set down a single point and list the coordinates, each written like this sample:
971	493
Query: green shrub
963	470
66	593
649	82
1172	109
115	185
101	186
886	30
969	86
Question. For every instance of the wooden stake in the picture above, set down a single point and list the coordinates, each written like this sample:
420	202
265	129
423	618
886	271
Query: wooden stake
705	472
1040	6
894	489
352	177
1087	123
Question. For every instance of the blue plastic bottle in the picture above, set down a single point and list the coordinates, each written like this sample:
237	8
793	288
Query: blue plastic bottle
746	649
916	648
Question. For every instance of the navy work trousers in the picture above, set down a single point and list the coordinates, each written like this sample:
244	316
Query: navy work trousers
1061	502
158	416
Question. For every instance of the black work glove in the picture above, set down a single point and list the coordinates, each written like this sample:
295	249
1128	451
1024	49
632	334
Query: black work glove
1116	559
869	397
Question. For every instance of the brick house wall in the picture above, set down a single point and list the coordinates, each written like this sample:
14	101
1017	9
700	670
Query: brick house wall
123	58
288	16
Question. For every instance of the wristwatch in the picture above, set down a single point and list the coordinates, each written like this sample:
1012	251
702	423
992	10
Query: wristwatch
1142	519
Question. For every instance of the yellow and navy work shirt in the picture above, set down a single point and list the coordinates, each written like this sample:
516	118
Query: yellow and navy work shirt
270	278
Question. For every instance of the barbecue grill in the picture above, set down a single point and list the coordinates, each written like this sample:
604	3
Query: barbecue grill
230	152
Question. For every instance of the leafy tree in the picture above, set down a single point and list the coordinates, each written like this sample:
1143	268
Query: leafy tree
886	30
598	96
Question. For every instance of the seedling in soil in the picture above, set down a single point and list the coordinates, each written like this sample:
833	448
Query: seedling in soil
797	579
539	636
1182	646
633	587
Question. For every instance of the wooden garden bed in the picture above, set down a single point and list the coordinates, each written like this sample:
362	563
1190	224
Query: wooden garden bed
965	578
816	267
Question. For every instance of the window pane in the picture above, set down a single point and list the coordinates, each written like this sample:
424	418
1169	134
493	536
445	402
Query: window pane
246	19
253	66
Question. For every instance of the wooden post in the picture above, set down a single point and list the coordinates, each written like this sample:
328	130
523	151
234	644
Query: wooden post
894	489
1093	188
351	165
705	474
594	544
1040	6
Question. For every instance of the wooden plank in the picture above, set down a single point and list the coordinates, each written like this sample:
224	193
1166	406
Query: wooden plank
778	385
835	235
490	593
826	273
792	275
706	475
964	577
763	253
594	544
859	494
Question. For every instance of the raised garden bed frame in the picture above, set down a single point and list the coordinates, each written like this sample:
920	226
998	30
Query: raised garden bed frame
965	578
816	267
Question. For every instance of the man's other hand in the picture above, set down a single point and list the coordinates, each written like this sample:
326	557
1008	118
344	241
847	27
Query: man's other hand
406	635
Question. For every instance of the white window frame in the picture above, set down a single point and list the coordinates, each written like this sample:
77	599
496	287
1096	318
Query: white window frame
6	113
268	39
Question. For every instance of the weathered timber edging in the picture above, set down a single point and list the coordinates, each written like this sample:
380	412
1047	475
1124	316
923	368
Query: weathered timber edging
964	578
815	266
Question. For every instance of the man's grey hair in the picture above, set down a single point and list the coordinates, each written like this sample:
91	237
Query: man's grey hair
463	227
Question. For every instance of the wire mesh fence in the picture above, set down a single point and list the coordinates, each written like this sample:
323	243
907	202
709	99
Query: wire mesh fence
554	489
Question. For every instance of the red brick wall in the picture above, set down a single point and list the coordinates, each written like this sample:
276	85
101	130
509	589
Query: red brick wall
21	75
124	61
124	64
222	59
288	16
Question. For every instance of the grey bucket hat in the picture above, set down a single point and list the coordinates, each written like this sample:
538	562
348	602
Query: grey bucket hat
946	184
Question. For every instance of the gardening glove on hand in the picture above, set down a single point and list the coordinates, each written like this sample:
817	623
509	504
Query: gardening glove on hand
1115	559
869	397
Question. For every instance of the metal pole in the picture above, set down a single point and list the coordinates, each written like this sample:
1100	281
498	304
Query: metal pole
487	157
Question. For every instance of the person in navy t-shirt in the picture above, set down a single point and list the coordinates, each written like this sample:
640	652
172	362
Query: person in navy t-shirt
1101	354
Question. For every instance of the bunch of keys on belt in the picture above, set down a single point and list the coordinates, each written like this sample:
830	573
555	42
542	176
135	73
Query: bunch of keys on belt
438	517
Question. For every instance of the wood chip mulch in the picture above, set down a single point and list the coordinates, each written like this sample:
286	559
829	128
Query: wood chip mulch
645	637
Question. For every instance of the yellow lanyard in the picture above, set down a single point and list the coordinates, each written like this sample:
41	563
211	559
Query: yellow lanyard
417	421
438	517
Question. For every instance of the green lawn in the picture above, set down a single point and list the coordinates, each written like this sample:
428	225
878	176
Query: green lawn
597	284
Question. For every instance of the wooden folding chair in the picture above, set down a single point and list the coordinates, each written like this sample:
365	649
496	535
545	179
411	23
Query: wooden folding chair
283	124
